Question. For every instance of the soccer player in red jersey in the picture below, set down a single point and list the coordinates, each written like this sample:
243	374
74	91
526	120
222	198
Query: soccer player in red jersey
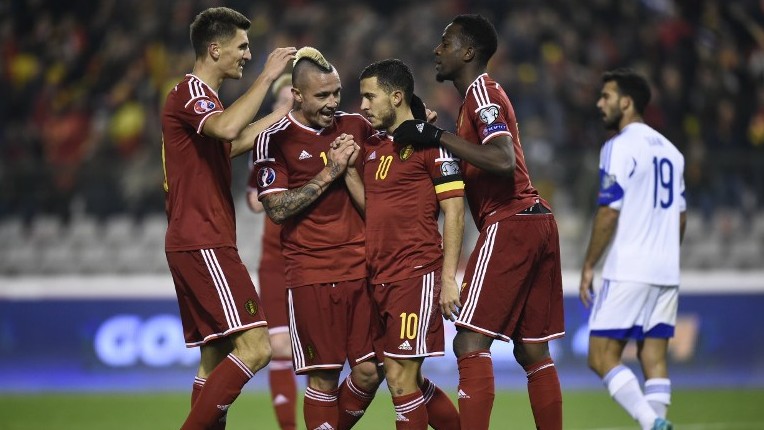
270	274
322	240
413	276
512	287
219	306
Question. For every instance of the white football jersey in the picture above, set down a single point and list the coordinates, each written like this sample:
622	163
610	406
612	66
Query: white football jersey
642	176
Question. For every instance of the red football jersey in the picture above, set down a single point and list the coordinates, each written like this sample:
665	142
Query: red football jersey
271	238
403	187
485	113
198	202
325	242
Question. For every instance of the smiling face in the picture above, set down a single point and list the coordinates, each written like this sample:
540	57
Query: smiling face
610	105
376	104
449	54
233	54
318	96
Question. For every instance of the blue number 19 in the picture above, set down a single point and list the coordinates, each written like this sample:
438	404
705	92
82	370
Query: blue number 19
664	177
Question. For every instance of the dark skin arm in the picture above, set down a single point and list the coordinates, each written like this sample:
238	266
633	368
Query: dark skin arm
496	156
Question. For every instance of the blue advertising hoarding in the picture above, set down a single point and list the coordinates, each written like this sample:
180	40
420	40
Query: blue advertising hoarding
132	341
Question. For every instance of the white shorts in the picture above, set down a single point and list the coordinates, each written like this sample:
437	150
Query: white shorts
633	310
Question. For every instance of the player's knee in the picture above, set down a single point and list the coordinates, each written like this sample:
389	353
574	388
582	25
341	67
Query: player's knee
281	346
527	354
367	375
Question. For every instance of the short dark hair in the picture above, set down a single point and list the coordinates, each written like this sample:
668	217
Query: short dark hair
392	74
480	33
215	24
631	84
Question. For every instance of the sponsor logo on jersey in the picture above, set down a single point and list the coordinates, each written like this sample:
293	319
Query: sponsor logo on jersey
304	155
266	176
420	127
449	168
400	417
406	346
489	114
324	426
251	307
462	395
203	106
224	407
372	156
280	399
406	152
355	413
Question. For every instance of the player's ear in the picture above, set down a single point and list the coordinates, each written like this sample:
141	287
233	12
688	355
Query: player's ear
396	97
296	95
624	102
214	50
469	54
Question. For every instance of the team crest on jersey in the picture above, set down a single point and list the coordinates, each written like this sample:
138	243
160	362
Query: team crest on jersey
266	176
406	152
250	307
489	114
449	168
203	106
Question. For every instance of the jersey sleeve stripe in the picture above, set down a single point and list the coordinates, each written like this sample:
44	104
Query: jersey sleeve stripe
206	117
498	133
263	139
272	190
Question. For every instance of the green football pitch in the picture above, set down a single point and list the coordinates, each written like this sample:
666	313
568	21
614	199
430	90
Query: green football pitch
591	410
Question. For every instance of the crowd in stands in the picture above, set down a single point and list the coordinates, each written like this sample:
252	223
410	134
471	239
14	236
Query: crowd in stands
83	82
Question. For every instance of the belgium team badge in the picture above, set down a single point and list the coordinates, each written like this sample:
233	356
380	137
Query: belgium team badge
406	152
251	307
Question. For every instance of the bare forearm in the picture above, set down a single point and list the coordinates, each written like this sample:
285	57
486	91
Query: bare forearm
453	234
355	186
229	124
497	156
603	229
288	203
682	226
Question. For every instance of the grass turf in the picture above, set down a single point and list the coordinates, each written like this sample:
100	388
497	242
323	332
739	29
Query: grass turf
691	410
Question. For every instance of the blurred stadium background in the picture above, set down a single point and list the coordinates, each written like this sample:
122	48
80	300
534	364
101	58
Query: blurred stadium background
86	301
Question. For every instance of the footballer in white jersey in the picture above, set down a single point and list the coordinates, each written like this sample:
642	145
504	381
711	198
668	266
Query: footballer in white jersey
641	216
641	176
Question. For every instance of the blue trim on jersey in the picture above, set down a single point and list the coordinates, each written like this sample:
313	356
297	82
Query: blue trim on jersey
610	191
663	331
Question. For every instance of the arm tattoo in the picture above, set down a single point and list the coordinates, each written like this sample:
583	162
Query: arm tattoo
291	202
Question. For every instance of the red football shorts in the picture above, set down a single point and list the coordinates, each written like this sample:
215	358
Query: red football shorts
273	294
411	320
512	286
330	324
216	296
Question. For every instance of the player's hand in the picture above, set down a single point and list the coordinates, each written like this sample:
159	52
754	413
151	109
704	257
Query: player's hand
432	116
418	132
450	305
277	62
340	152
585	290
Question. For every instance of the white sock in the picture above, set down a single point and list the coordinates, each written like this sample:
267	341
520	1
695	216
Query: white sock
658	395
624	388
